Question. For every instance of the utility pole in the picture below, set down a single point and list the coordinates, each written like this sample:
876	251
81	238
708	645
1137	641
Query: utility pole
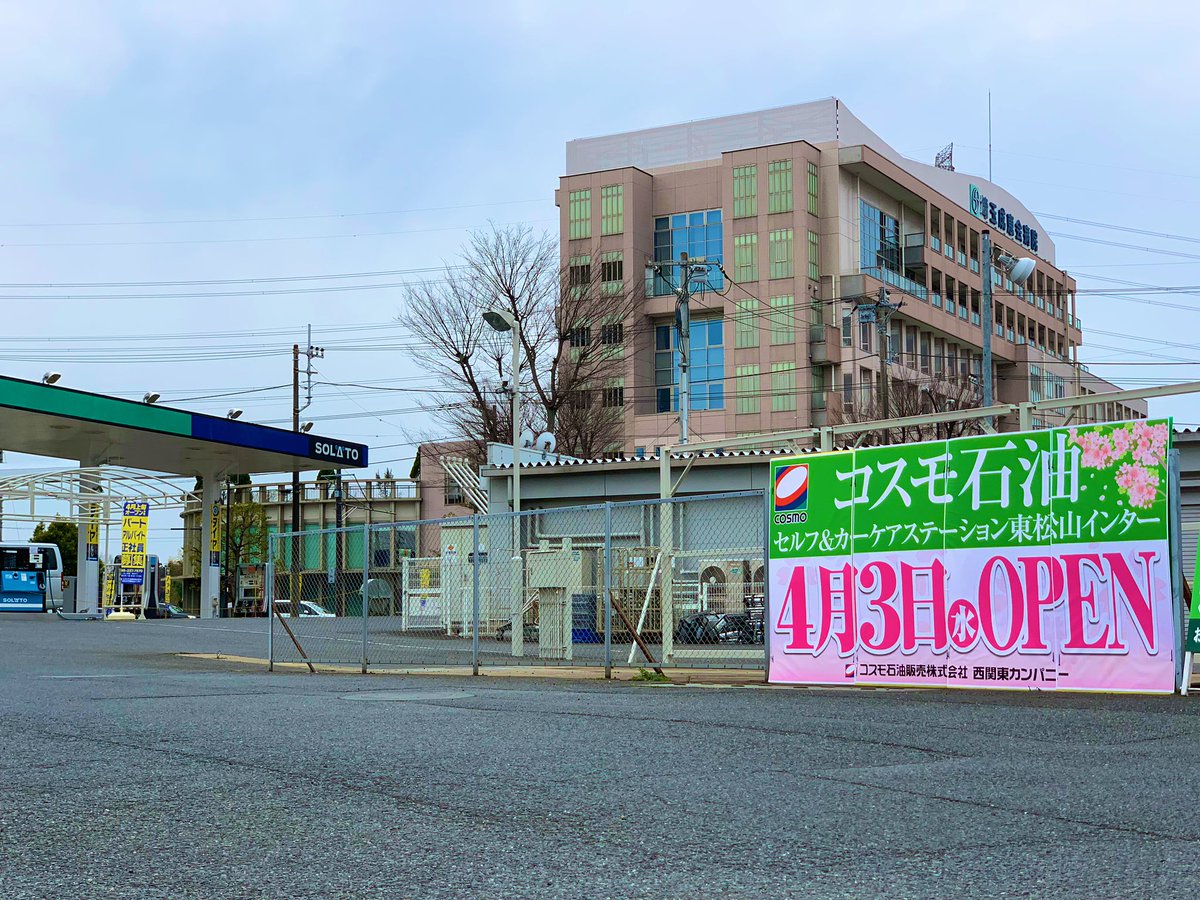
338	538
880	312
885	356
683	325
986	316
310	353
295	592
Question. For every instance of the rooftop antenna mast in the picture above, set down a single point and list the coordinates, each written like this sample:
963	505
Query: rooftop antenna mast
989	135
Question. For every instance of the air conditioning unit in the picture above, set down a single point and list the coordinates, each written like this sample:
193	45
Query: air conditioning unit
565	581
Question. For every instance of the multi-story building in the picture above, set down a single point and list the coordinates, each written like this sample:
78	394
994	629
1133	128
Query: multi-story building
811	215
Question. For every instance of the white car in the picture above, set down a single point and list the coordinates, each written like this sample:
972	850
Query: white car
308	609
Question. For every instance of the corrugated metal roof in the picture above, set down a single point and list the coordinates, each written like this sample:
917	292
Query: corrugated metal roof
653	460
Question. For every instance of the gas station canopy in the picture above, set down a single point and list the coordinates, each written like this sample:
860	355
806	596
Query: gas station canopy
96	429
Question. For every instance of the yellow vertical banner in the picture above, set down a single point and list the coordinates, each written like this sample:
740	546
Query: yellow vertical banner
135	526
166	588
214	542
92	550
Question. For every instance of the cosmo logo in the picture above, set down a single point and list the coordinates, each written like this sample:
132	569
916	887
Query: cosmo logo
791	494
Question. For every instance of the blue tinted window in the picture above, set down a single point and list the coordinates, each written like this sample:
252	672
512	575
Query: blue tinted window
879	238
699	234
662	337
707	369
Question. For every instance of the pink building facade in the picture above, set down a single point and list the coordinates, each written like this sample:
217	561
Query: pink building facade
810	215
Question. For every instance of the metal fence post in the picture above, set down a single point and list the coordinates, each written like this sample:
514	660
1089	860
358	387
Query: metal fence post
365	591
404	594
1175	531
608	533
269	589
475	595
608	588
766	614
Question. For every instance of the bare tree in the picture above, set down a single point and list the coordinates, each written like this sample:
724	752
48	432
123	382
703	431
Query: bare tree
907	397
571	321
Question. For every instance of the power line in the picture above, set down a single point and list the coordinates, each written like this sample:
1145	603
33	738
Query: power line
1160	234
260	240
251	332
1080	162
1144	249
202	295
383	273
353	215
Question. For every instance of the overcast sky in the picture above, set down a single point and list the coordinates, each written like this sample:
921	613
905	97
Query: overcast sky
191	141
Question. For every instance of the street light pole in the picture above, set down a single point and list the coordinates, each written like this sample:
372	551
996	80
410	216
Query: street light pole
516	420
502	320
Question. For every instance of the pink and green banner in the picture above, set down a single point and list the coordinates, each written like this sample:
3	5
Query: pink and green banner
1036	560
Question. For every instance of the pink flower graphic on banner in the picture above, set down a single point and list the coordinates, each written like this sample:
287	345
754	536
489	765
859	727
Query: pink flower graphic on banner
1150	443
1097	450
1122	442
1145	444
1140	483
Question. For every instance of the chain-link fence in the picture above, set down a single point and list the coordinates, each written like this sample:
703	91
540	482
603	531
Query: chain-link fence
644	583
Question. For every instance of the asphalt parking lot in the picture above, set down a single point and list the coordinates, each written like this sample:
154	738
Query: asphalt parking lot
128	770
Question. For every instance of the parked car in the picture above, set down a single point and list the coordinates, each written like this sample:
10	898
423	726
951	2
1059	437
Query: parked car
504	632
308	609
718	628
171	611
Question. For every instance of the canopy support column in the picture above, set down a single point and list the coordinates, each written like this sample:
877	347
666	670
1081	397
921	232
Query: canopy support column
87	558
210	563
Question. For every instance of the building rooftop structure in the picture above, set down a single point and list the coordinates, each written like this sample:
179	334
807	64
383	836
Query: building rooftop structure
833	260
816	122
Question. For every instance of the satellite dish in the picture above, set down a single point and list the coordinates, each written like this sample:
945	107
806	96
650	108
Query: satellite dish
526	437
1022	269
546	442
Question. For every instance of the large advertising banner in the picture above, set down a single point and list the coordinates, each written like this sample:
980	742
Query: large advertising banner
1035	560
135	525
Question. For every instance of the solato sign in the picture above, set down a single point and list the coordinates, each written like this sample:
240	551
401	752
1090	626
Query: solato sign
1034	560
334	451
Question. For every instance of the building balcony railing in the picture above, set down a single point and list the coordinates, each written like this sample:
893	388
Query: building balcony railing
895	279
312	491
